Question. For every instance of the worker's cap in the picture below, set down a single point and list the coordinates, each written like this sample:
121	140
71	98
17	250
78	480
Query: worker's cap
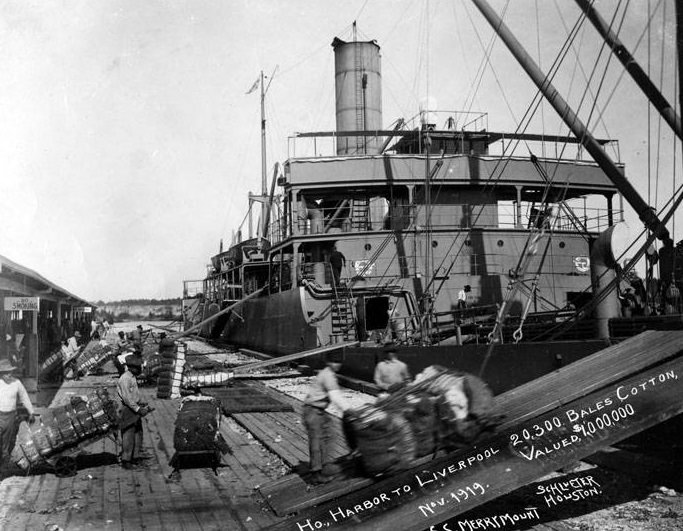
389	347
140	327
6	366
133	360
336	356
77	334
162	335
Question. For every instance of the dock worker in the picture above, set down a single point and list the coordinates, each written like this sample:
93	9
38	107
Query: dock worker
12	391
120	352
71	353
323	391
130	412
462	296
137	338
391	374
337	261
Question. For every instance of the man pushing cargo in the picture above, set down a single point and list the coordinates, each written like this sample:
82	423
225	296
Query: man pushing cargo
131	411
11	392
325	389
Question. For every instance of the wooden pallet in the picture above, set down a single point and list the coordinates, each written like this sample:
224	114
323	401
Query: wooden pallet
241	397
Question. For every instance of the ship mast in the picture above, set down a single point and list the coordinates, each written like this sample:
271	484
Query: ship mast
264	184
646	214
633	68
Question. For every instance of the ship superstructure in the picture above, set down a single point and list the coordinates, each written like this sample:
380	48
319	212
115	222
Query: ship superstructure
418	212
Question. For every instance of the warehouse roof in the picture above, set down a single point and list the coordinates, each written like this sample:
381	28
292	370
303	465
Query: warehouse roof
21	279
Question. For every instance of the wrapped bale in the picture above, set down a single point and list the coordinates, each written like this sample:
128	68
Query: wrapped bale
197	425
420	412
93	358
383	438
167	348
206	379
63	427
51	365
464	405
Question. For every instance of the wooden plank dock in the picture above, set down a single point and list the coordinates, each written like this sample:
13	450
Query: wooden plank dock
255	489
104	496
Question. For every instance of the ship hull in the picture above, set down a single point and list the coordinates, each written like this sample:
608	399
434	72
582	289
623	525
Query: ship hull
274	324
509	366
277	325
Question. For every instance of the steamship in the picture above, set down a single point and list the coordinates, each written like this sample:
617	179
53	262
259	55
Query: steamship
420	211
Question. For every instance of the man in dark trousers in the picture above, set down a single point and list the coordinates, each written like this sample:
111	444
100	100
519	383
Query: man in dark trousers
131	411
337	261
12	391
325	389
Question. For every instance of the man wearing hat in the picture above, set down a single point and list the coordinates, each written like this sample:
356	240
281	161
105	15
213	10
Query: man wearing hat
71	354
11	392
391	374
131	410
325	389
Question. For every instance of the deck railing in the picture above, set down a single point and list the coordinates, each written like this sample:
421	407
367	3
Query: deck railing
444	217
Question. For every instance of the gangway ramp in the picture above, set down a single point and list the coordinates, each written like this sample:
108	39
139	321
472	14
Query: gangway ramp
550	423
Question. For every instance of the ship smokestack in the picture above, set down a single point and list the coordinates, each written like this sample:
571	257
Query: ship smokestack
358	95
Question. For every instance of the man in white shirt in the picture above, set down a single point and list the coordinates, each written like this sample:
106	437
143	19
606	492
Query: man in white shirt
462	296
11	392
391	374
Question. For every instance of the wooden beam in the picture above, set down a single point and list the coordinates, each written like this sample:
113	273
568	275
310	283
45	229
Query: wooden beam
295	356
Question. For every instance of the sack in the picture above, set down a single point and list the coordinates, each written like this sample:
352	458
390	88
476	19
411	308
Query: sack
384	440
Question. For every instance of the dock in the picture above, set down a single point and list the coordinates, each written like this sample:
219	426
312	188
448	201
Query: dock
261	482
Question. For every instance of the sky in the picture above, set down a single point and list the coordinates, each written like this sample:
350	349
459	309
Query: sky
129	145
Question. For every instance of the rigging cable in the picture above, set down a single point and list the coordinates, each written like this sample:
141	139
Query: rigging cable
503	160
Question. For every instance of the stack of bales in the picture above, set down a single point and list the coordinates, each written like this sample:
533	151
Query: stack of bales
64	427
152	366
94	358
170	376
197	425
441	409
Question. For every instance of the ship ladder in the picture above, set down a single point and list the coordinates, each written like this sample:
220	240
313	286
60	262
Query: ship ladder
343	316
360	103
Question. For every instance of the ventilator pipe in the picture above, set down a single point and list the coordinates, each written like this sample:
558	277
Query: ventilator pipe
314	215
604	254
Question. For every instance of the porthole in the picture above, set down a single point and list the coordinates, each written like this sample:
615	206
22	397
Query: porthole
500	243
368	246
435	243
562	245
468	243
